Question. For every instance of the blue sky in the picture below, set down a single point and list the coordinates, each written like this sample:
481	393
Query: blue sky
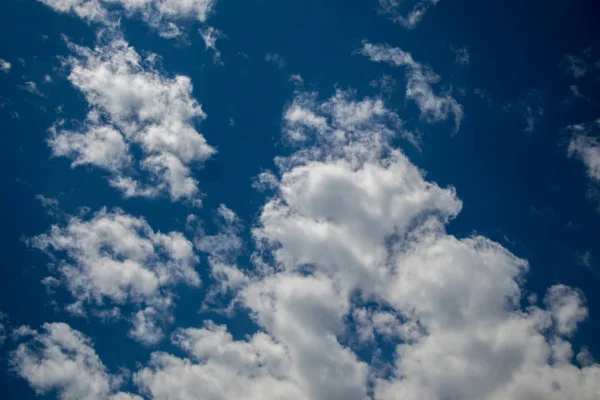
375	199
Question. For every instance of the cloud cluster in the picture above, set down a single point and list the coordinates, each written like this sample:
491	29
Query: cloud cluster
408	15
586	147
5	66
353	242
341	119
112	260
134	107
419	81
62	360
161	15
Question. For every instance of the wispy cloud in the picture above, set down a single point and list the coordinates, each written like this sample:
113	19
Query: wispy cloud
406	13
419	81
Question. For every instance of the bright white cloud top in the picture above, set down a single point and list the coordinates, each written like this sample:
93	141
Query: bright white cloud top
419	81
350	252
62	360
334	274
114	259
406	13
134	105
162	15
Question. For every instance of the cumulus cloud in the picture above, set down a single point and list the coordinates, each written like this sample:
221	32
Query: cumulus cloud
341	119
586	147
220	368
419	81
133	105
113	259
406	13
62	360
353	242
165	16
5	66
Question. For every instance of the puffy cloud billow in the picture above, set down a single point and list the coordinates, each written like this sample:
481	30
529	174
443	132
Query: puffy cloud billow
406	13
61	360
352	250
134	107
112	260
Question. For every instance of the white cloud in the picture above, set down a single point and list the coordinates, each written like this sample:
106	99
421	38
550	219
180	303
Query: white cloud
221	368
161	15
354	229
114	259
341	119
101	146
419	81
5	65
146	327
586	147
91	10
62	360
132	104
406	13
223	249
210	36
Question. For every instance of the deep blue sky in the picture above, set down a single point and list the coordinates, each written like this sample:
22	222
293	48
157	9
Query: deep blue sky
518	188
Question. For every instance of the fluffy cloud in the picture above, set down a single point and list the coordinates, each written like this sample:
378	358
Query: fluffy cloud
340	120
114	259
586	147
221	368
353	242
5	65
161	15
62	360
133	105
408	15
419	81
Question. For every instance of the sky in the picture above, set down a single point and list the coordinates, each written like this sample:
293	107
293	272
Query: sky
358	199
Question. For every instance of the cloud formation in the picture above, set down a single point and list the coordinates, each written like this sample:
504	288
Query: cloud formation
134	106
161	15
408	14
584	146
419	81
5	66
353	242
113	259
62	360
